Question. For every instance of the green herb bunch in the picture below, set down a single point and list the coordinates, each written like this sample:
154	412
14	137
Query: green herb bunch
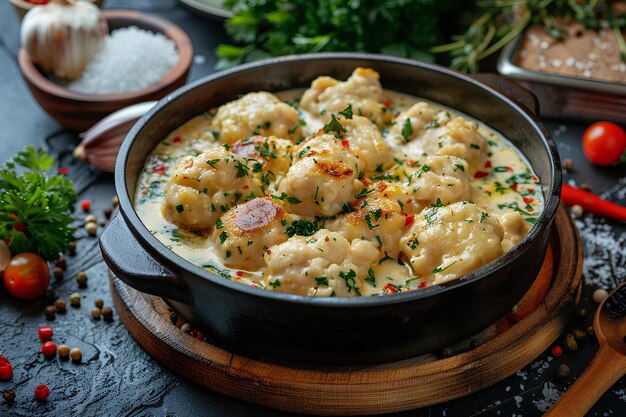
280	27
35	207
494	23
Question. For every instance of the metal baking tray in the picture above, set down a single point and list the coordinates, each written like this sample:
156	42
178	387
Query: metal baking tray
566	97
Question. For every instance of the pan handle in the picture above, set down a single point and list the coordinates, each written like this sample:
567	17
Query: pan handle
126	258
511	89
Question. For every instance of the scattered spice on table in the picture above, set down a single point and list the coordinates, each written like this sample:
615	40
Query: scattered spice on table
45	333
41	392
49	349
50	313
75	299
562	372
76	354
99	302
81	279
95	313
6	369
8	395
107	313
63	351
59	304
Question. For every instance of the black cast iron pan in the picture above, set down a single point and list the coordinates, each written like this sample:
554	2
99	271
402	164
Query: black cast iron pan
257	322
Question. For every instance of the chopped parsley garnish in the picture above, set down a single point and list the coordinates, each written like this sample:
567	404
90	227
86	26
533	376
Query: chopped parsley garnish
364	192
424	168
432	124
274	284
347	112
242	169
483	215
218	223
301	227
368	219
350	279
223	237
459	166
303	151
474	146
212	162
371	279
407	130
440	269
257	167
334	126
321	280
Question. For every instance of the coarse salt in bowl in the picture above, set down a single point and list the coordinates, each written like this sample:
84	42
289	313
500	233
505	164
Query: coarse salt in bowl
131	59
79	110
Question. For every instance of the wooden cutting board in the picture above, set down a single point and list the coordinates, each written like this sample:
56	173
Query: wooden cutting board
507	346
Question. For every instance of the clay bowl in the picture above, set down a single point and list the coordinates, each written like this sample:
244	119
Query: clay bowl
22	7
80	111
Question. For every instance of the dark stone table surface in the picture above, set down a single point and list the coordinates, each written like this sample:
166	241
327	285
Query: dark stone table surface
117	377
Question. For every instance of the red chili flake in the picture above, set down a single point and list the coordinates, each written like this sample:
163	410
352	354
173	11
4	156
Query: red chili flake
159	169
530	190
41	392
64	171
488	164
345	143
176	139
85	205
480	174
49	349
514	186
387	103
422	284
45	333
509	169
390	289
557	351
239	273
409	201
269	251
197	334
6	369
534	178
528	200
245	187
20	227
410	162
530	210
409	219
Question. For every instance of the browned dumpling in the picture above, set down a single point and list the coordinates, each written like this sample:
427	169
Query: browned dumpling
273	153
323	264
449	241
376	217
323	177
204	187
259	113
365	140
362	90
244	233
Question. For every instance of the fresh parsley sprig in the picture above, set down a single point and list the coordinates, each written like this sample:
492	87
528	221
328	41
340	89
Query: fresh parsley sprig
35	207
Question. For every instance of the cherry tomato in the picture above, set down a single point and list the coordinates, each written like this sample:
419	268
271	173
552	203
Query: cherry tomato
49	349
6	370
26	276
604	143
41	392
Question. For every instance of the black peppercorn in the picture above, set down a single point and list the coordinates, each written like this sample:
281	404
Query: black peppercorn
107	212
71	248
58	273
107	313
8	395
81	279
61	263
60	306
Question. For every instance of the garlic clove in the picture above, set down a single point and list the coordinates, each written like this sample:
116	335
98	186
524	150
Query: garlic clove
101	143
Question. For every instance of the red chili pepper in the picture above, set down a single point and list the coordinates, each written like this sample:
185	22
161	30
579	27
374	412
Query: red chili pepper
390	289
41	392
246	186
528	200
85	205
345	143
410	162
45	333
64	171
176	139
239	273
409	219
387	103
592	203
557	351
509	169
488	164
535	179
480	174
6	369
409	201
422	284
159	169
49	349
514	187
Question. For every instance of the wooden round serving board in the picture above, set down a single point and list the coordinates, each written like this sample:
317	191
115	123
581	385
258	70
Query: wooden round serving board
384	388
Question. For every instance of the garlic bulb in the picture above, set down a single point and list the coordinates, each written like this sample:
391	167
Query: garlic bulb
63	36
101	143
